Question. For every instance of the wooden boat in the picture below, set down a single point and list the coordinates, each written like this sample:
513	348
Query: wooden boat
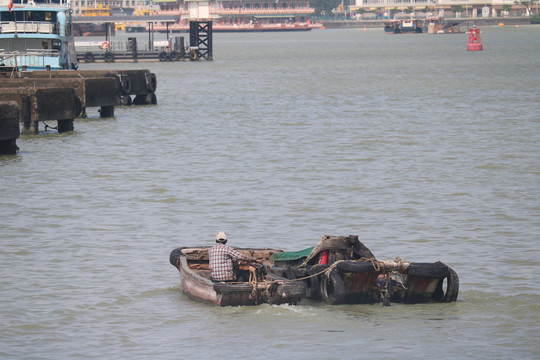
192	263
341	270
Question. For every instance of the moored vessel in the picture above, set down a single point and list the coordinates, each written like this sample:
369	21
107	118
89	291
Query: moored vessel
404	26
36	35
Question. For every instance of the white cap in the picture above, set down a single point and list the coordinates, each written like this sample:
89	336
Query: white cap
221	236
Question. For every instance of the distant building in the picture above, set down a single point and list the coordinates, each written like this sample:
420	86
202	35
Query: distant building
243	15
384	9
226	15
116	6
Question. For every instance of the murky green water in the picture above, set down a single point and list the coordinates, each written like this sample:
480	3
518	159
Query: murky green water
426	151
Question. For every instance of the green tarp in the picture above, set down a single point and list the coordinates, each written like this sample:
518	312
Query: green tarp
291	255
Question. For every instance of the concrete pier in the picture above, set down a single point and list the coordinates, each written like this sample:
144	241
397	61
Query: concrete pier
141	84
9	127
38	104
71	92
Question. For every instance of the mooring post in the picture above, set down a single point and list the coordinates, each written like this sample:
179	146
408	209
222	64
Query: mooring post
179	46
132	46
30	126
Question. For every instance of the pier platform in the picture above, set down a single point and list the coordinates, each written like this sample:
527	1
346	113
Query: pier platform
173	49
64	95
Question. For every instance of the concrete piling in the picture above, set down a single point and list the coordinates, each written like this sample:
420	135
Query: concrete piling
38	104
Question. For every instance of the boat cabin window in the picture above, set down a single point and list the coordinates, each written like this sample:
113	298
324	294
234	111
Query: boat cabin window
40	16
11	16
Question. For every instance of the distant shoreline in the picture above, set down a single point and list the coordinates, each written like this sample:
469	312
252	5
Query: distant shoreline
342	24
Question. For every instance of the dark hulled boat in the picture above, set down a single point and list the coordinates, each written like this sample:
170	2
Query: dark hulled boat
341	270
338	270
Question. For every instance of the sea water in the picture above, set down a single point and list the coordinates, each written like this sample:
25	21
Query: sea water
423	149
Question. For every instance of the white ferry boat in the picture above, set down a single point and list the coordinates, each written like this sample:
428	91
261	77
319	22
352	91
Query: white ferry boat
37	35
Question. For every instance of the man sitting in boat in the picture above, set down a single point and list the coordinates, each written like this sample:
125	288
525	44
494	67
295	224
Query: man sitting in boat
221	258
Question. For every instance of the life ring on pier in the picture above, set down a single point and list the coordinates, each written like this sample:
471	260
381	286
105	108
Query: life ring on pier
193	55
104	45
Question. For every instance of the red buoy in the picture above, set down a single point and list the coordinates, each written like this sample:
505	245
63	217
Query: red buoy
474	44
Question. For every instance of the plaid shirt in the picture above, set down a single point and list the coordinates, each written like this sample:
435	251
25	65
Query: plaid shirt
221	264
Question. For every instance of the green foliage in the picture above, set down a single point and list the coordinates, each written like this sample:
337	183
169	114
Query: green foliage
458	9
507	7
535	19
409	10
324	6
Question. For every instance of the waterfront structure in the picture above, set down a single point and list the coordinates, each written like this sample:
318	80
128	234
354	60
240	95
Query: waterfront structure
117	7
241	15
236	15
387	9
